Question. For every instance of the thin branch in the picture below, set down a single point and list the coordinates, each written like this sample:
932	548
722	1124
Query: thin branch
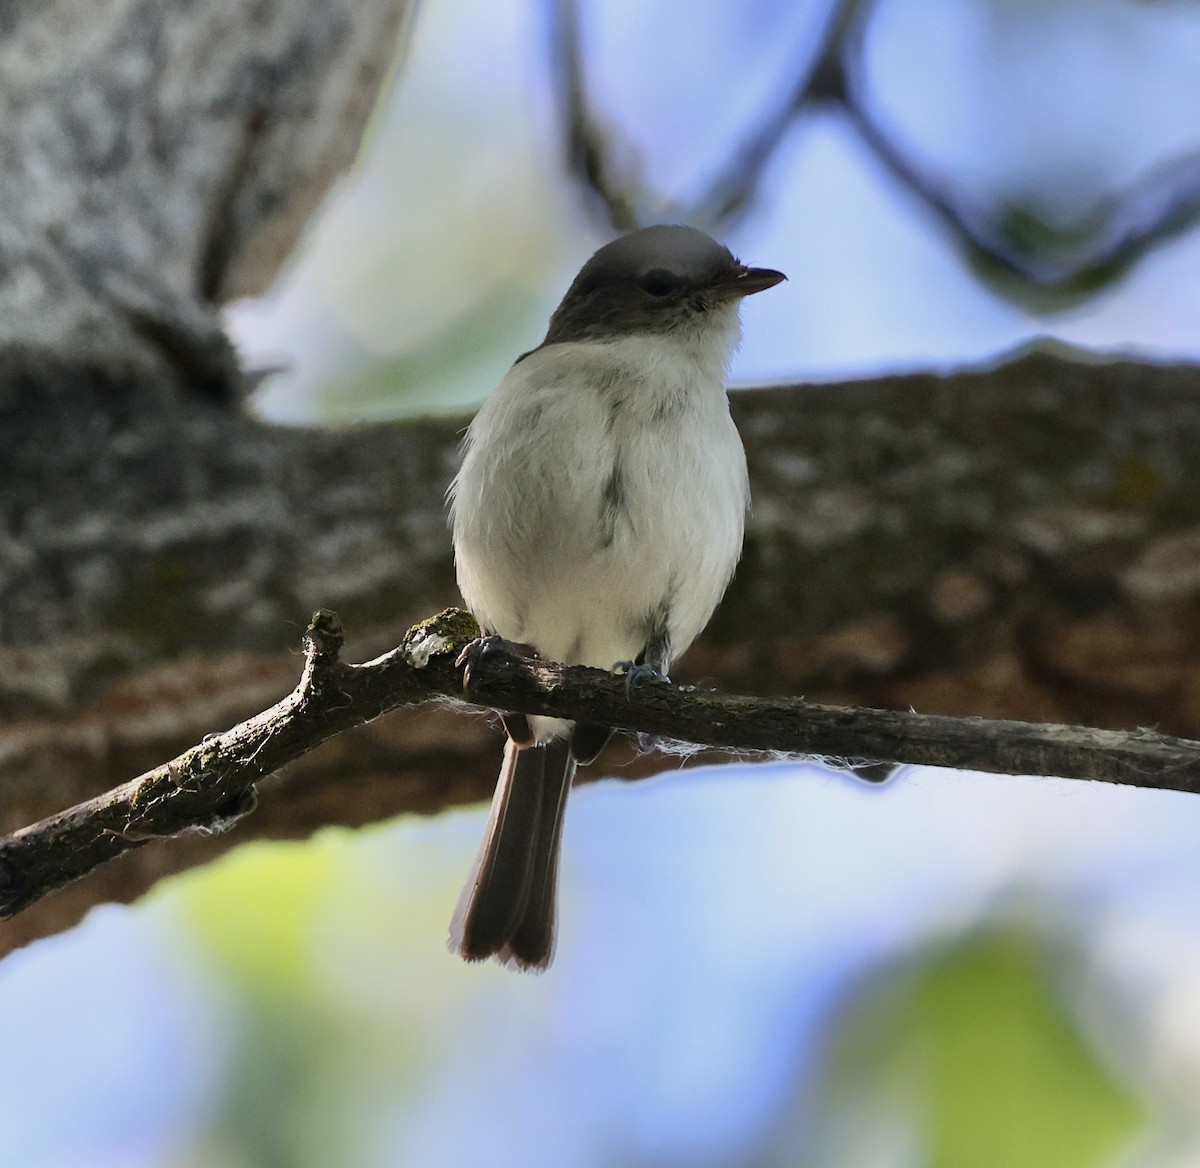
1120	228
729	194
212	785
599	155
588	152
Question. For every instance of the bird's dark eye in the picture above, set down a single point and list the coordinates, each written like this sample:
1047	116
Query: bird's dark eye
659	282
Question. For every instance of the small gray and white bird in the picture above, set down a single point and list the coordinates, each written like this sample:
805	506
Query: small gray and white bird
598	517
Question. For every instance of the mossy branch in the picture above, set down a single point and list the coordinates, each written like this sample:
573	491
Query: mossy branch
212	785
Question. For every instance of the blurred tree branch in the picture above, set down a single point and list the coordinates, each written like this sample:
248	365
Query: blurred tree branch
1022	542
212	785
212	134
1001	240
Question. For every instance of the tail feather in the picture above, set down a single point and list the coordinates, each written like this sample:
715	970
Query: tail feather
506	909
494	896
531	945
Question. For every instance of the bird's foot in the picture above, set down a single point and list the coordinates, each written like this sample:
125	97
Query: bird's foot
493	645
473	654
635	673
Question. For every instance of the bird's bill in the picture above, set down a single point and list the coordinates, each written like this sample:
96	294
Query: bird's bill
746	281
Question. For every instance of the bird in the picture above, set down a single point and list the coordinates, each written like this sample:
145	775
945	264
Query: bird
597	517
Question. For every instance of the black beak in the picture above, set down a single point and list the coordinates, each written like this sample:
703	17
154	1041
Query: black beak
743	281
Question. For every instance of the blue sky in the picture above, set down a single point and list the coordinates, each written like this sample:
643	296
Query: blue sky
459	200
714	924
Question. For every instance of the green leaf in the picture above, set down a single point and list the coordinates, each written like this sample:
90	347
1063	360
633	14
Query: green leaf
1009	1078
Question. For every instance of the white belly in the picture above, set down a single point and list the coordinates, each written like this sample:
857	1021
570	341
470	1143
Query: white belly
589	506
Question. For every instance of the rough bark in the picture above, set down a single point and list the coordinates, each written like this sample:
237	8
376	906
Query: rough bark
1019	542
1022	542
158	158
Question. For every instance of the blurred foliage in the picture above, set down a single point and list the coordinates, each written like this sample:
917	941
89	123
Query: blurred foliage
254	911
309	1065
1011	1080
968	1060
437	374
962	1056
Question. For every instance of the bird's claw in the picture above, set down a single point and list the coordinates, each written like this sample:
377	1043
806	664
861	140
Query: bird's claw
636	673
491	645
474	652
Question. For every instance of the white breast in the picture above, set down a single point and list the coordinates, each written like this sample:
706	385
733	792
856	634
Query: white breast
603	484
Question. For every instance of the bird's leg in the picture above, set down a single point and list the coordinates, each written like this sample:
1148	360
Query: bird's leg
651	664
516	725
588	740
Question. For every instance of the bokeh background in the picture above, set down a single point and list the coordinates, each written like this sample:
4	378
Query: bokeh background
759	966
